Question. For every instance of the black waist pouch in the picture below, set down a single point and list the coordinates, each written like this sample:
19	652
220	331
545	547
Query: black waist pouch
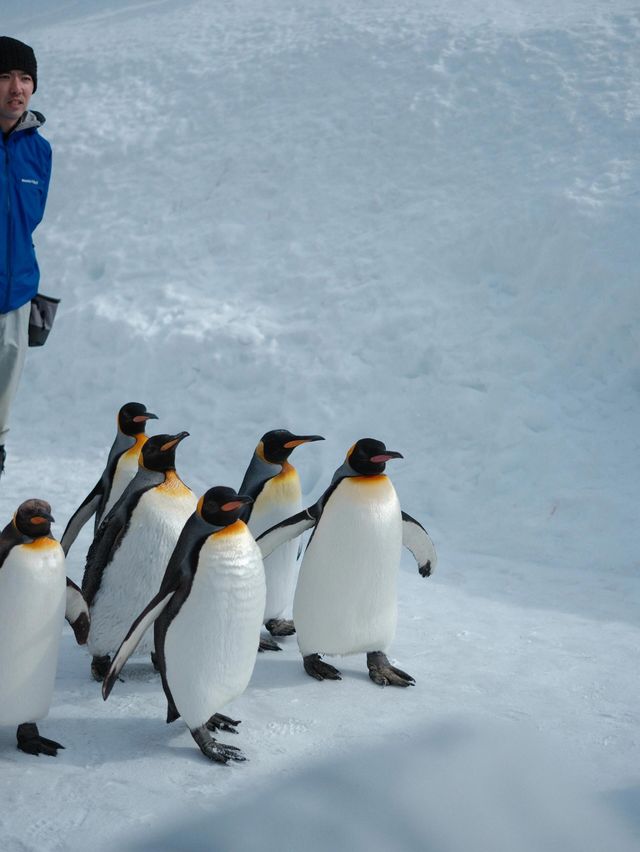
43	311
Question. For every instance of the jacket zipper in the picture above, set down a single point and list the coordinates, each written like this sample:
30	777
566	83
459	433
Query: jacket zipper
9	258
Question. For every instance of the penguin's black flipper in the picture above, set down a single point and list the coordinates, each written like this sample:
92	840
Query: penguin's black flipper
110	532
9	538
85	510
416	539
290	528
133	637
77	612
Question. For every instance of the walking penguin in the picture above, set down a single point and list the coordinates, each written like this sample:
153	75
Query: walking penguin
121	467
345	600
131	549
34	598
208	615
274	484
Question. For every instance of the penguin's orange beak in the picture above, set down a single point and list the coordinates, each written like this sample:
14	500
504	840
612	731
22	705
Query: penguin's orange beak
302	439
174	441
385	457
242	500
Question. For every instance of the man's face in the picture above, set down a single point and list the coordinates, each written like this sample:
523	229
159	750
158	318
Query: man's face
16	88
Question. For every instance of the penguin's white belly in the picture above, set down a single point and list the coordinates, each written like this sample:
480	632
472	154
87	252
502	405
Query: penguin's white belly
345	600
281	567
126	469
211	644
134	574
32	604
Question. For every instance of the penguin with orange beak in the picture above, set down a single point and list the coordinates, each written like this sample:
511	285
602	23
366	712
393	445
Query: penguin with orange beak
274	485
130	552
35	596
208	614
121	467
346	599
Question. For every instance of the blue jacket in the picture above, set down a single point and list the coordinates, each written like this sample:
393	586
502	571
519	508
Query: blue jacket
25	170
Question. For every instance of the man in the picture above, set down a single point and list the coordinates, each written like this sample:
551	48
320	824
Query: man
25	170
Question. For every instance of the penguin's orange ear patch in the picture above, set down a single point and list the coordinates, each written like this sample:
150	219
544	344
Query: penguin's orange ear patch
350	450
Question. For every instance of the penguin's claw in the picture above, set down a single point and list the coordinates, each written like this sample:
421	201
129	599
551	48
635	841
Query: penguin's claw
214	750
220	753
280	627
314	666
220	722
30	741
267	644
384	674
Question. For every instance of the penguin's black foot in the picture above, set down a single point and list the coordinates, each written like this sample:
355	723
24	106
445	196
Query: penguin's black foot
219	722
384	674
211	748
100	667
268	644
314	666
30	741
154	661
280	627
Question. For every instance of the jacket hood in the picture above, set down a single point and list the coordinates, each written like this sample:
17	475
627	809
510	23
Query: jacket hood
30	119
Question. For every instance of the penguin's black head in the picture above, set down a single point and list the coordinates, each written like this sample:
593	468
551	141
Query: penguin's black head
33	518
277	445
221	506
159	452
368	456
132	418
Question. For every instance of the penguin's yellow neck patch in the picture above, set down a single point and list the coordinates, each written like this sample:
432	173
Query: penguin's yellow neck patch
173	484
134	449
42	543
288	470
377	479
236	528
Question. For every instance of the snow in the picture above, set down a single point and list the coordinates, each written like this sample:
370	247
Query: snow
398	220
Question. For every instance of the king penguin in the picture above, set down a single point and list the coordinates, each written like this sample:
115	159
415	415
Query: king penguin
121	467
131	549
208	613
274	484
34	599
345	600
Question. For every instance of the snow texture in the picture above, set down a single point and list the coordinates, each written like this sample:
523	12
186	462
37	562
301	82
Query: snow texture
413	221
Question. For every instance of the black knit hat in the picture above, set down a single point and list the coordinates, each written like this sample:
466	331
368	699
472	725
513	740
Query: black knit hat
17	56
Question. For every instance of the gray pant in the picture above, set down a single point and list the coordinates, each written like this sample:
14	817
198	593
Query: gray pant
14	340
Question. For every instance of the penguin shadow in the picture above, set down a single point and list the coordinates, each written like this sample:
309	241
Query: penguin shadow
138	670
114	739
278	669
